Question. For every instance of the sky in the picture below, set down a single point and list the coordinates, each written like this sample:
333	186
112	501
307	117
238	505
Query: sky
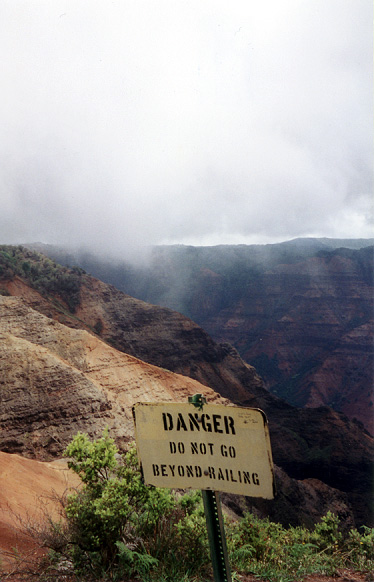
138	122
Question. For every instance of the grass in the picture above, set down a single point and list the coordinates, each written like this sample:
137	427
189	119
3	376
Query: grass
279	554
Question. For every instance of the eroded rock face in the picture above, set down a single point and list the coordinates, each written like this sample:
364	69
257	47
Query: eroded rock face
307	327
44	401
300	312
316	347
56	381
327	446
153	334
162	337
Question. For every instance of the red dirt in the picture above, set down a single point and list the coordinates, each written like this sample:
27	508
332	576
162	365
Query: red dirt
25	495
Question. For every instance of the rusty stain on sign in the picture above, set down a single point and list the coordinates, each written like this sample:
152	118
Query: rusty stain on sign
222	448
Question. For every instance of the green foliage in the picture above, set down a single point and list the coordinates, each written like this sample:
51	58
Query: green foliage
278	554
326	534
359	548
92	461
42	273
117	528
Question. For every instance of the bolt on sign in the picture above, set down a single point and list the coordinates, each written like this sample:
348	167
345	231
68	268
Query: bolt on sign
221	448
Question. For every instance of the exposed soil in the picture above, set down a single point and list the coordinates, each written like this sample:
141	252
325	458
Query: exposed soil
26	492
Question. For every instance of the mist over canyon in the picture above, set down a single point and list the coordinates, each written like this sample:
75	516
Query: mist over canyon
300	312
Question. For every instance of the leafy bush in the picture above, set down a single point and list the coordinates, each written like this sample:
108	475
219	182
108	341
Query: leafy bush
117	527
326	534
278	554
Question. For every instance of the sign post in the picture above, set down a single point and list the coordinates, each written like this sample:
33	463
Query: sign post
216	536
213	448
214	521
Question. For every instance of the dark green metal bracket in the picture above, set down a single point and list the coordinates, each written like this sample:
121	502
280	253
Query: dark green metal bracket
197	400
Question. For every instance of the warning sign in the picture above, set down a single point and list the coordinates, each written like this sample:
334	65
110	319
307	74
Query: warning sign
219	447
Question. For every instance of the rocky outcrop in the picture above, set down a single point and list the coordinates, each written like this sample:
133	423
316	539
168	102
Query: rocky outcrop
55	381
154	334
164	338
314	340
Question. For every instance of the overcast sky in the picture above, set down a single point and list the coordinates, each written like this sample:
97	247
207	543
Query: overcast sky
134	122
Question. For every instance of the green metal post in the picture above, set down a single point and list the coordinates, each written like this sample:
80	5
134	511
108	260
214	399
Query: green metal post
216	535
214	520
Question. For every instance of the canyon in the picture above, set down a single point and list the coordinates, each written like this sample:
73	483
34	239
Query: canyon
67	368
300	312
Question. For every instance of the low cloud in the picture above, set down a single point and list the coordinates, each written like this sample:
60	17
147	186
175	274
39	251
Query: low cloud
134	123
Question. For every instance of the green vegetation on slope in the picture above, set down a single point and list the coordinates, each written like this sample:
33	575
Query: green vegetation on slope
41	273
117	528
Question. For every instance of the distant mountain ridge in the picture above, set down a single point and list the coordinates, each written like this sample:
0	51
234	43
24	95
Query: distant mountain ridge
300	312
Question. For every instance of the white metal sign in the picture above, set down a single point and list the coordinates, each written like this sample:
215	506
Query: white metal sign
219	447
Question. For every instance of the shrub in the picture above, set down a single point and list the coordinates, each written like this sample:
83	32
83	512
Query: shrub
119	527
279	554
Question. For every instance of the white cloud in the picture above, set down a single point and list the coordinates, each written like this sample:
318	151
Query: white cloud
132	122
